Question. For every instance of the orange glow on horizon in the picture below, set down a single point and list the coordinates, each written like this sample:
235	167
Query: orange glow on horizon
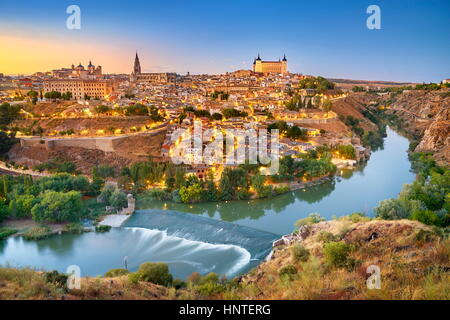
27	55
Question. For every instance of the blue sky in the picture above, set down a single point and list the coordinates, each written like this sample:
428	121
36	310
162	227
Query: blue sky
327	38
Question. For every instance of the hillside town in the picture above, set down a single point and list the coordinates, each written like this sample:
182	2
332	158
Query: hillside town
139	103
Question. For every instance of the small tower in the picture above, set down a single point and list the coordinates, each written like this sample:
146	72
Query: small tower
257	64
284	66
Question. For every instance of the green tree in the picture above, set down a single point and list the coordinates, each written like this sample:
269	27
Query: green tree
157	273
137	109
67	95
191	192
3	209
58	207
21	205
6	141
102	109
8	113
118	199
53	95
326	105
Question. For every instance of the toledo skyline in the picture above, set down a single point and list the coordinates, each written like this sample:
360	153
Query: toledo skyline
325	38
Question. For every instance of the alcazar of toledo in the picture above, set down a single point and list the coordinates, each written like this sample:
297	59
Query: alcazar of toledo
262	66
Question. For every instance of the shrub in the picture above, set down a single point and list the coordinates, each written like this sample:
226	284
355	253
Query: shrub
288	272
210	288
155	272
179	284
423	236
299	253
56	278
102	228
134	277
313	218
6	232
358	217
118	199
37	233
425	216
325	237
336	253
210	277
75	228
116	273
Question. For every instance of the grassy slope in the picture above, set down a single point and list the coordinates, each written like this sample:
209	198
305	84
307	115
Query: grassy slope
407	265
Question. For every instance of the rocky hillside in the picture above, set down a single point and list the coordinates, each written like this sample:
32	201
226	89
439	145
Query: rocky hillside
424	115
414	263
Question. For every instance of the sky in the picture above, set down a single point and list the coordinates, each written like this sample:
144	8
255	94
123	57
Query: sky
326	38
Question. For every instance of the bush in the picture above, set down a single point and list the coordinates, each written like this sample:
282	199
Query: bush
424	236
179	284
210	277
102	228
118	199
155	272
37	233
210	288
288	272
6	232
325	237
313	218
336	253
75	228
425	216
116	273
134	277
299	253
358	217
56	278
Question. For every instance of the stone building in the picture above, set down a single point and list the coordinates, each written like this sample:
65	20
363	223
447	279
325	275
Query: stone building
279	66
154	77
80	87
79	72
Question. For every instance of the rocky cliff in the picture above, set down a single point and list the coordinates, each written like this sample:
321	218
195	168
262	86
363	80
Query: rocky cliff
426	116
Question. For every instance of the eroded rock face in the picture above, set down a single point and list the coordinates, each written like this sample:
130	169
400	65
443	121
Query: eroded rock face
436	137
431	121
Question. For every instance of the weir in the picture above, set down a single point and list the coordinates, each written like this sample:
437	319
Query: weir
210	231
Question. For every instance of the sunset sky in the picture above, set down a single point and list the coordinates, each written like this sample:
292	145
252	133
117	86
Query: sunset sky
327	38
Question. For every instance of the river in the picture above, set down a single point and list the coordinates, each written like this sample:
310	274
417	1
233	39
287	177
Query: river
227	237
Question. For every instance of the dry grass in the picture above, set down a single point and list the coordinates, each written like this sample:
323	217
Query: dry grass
410	269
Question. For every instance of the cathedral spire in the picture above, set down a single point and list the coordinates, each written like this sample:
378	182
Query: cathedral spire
137	65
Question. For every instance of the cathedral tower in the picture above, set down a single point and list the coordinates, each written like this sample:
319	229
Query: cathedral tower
137	65
136	68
